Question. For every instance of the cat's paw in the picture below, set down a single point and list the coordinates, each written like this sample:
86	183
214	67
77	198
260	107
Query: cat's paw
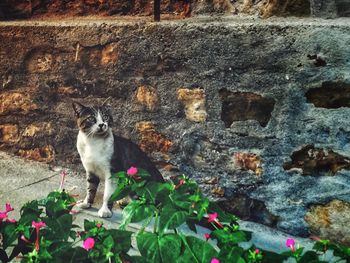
104	212
83	205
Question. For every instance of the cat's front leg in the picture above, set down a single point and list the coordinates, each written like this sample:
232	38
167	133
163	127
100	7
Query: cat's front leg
92	184
110	187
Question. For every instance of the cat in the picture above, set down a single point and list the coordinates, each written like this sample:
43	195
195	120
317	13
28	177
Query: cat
102	153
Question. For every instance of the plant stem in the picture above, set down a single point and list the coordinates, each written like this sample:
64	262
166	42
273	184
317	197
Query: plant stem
156	222
145	224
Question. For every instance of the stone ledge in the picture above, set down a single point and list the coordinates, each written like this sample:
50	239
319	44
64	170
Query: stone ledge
232	21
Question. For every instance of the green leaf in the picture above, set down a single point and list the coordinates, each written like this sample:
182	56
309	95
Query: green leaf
60	226
231	254
143	212
137	259
151	190
196	250
202	208
128	213
171	218
181	200
88	225
119	175
142	173
269	257
156	248
30	212
123	190
222	215
148	246
170	247
309	257
122	240
108	243
73	255
9	234
227	237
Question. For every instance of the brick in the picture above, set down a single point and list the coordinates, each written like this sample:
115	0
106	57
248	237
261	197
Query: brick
194	102
35	129
9	133
330	221
248	162
151	140
15	101
43	154
148	97
109	54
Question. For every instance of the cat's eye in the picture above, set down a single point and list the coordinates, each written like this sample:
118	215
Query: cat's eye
91	119
105	117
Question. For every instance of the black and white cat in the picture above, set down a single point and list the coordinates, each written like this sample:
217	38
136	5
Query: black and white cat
103	153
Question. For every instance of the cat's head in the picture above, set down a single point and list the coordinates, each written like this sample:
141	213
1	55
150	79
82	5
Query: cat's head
93	121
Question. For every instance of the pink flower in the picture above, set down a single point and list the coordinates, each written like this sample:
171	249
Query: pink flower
98	225
214	218
180	183
24	239
214	260
3	215
63	175
9	208
37	226
257	251
89	243
207	236
132	171
290	243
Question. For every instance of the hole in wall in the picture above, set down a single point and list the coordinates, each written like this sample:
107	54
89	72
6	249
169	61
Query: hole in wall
331	95
318	60
242	106
317	161
250	209
343	8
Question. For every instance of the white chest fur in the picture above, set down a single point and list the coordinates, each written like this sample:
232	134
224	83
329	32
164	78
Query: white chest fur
96	153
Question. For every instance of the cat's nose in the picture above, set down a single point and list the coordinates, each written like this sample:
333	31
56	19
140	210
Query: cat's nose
101	125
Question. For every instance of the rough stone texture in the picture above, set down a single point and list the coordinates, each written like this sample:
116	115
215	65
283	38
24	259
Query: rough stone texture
47	65
148	97
14	9
194	102
248	162
330	220
316	161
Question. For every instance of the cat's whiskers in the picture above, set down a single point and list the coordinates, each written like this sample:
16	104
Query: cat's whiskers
89	133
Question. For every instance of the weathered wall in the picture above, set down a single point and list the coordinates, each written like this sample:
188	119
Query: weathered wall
14	9
256	111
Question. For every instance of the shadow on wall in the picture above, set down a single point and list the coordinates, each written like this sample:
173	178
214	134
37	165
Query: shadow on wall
316	161
242	106
332	95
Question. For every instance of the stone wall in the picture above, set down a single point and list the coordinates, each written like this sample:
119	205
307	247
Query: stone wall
15	9
257	112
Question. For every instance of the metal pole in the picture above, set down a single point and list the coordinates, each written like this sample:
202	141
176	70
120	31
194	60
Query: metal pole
156	10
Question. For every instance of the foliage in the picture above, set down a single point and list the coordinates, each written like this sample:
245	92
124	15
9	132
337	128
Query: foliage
45	231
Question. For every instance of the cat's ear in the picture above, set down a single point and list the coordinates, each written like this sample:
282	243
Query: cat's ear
78	108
